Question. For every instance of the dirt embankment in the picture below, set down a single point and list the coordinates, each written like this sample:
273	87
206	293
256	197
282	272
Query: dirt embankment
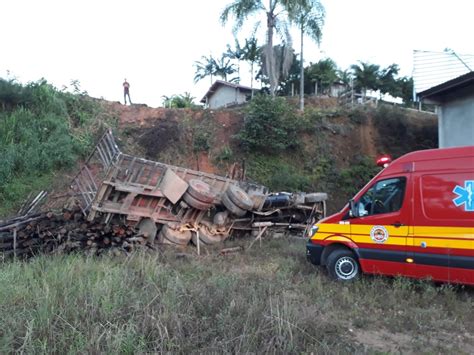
156	129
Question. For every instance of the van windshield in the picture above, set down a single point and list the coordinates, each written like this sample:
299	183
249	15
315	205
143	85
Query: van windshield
384	197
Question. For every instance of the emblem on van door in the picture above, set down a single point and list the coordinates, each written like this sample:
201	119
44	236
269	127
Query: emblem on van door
465	195
379	234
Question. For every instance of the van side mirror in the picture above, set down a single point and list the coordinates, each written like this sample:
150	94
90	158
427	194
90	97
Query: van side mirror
353	209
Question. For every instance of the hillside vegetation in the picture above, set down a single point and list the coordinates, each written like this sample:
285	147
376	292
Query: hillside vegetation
43	131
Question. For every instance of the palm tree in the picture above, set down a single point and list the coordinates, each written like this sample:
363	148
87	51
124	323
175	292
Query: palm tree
224	67
252	54
242	9
345	76
366	76
236	54
387	81
207	67
308	15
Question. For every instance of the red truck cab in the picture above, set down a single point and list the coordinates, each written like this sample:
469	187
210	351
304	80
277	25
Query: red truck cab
415	218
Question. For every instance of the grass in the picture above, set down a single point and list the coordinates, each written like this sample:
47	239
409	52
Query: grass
267	299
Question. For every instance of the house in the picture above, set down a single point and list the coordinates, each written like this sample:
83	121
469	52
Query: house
225	94
455	103
337	88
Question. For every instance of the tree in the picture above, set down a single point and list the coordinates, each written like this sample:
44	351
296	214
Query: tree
405	87
236	54
323	74
366	76
179	101
289	75
275	20
387	81
308	15
252	54
224	67
206	67
345	76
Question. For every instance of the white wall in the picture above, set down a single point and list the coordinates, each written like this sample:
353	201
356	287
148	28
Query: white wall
456	123
225	95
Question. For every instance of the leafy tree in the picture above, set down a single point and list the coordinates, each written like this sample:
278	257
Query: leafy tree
323	73
308	15
405	87
276	16
366	77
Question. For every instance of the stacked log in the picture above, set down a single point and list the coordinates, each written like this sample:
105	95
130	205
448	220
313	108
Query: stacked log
66	233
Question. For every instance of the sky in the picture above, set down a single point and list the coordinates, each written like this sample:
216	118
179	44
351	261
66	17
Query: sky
154	44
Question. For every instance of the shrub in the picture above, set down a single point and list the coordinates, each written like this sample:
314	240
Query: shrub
352	179
41	130
269	125
399	134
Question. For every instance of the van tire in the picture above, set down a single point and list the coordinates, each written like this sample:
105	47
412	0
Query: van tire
342	265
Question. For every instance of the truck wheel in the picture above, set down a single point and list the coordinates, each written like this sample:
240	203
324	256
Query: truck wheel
209	238
239	197
193	202
232	207
342	265
174	236
201	191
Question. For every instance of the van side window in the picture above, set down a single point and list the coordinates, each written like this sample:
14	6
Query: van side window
384	197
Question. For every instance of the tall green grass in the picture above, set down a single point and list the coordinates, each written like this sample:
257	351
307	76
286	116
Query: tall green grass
42	130
263	300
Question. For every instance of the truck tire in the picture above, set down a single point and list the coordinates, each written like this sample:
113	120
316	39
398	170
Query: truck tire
342	265
197	204
232	207
209	238
201	191
174	236
239	197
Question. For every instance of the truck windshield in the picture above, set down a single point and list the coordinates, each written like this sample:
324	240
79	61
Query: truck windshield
384	197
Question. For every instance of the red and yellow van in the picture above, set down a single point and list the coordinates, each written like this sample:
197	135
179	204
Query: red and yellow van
415	219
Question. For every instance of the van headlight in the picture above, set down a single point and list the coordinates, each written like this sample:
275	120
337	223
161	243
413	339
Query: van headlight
312	230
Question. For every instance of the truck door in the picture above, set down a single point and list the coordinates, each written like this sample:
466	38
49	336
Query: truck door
382	226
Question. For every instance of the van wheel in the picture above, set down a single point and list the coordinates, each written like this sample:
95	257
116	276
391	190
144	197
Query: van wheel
342	265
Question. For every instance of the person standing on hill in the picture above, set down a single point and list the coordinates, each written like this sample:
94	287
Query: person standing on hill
126	92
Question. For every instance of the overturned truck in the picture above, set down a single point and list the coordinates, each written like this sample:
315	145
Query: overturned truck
173	205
